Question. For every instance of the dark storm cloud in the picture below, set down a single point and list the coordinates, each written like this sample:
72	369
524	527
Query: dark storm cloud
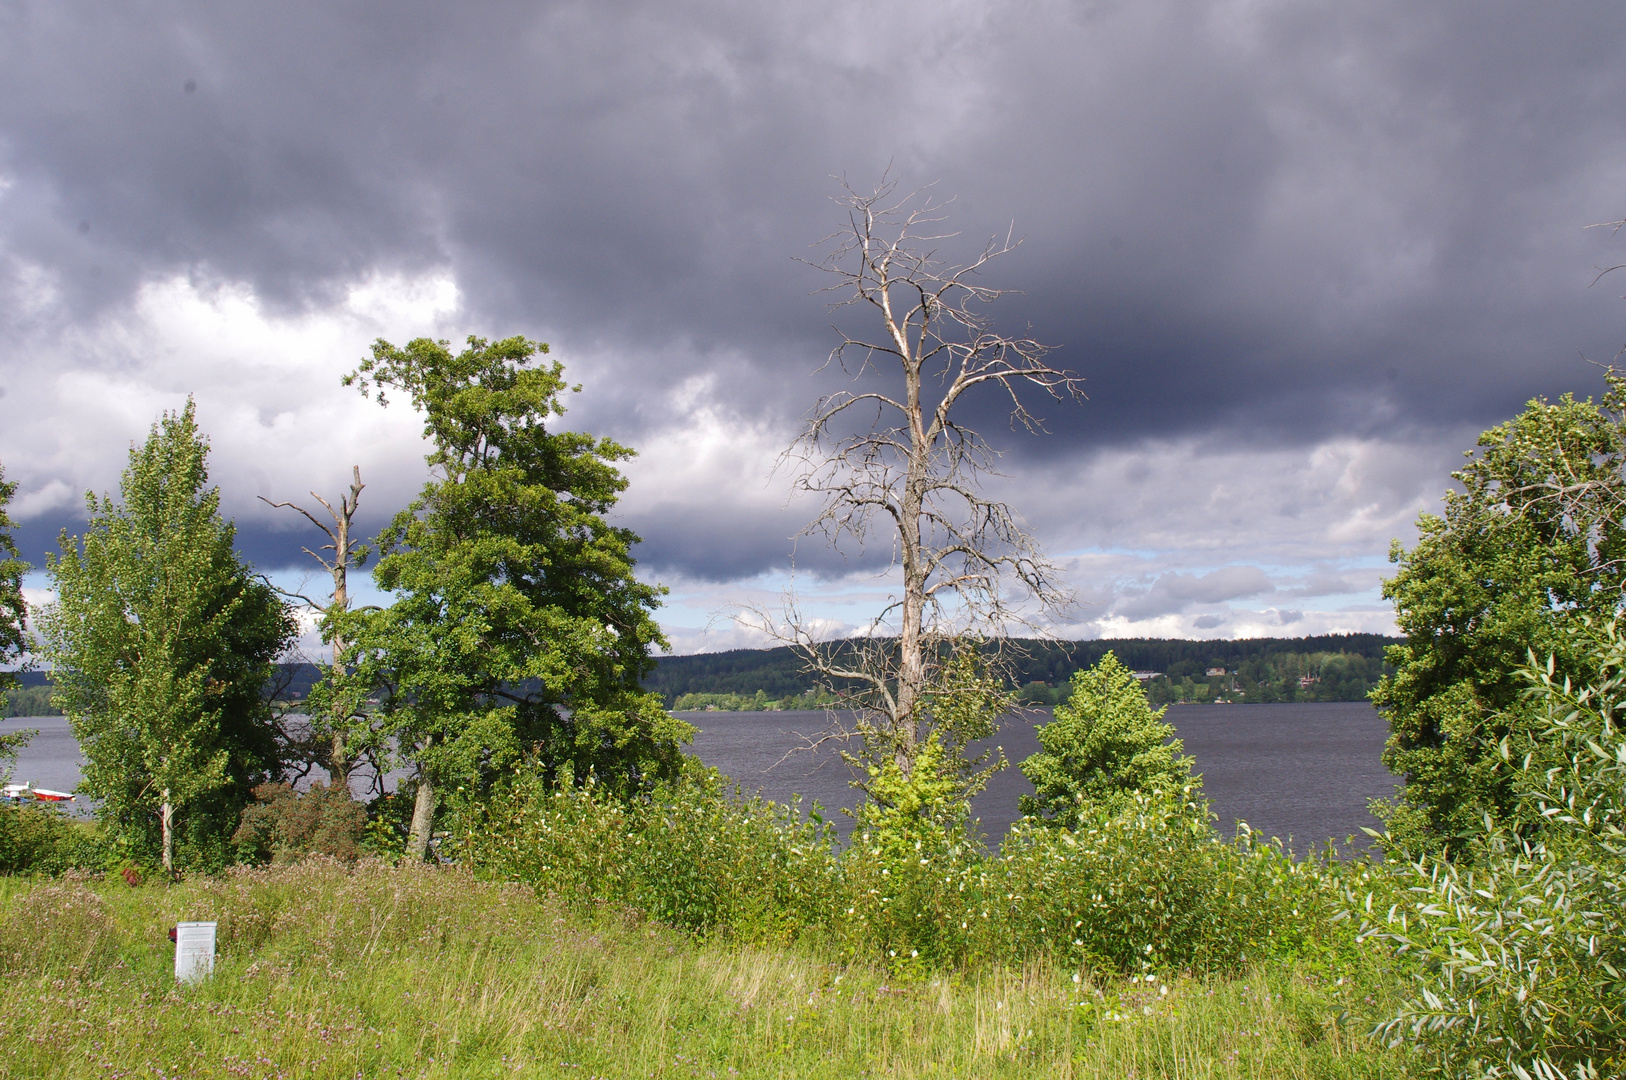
1260	224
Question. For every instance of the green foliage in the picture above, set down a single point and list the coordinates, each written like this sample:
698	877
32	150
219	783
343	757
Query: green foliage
10	743
518	627
13	615
688	854
1104	746
1148	887
1144	883
43	840
13	610
162	642
1519	954
283	825
31	701
1532	541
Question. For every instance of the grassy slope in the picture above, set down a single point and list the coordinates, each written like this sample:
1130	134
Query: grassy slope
423	972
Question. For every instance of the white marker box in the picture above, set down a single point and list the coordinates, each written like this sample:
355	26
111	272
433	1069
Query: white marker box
194	950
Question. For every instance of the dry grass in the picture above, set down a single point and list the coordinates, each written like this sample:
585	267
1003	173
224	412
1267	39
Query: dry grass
380	971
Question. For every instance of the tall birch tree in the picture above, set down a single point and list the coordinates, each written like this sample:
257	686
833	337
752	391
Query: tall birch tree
162	642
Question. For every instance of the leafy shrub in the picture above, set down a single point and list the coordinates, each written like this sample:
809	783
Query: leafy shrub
1519	954
906	874
1148	886
44	840
283	825
687	854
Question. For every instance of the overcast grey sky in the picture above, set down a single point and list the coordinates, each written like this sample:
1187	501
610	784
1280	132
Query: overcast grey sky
1302	253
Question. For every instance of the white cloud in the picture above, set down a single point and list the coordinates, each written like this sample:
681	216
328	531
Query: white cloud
266	385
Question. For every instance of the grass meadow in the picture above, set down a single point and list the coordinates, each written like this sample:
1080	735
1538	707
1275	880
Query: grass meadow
330	971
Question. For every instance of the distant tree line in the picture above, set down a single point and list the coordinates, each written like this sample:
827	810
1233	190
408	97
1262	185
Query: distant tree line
30	701
1329	667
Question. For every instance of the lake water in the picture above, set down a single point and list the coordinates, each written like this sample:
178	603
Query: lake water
1302	772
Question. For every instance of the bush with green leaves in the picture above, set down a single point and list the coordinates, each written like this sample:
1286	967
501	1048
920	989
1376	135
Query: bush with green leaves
1105	745
1149	884
909	868
43	840
1519	952
688	854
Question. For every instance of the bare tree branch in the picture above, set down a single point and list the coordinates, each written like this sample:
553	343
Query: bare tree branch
894	461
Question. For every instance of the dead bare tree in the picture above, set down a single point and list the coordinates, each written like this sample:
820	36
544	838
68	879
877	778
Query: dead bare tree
895	464
340	701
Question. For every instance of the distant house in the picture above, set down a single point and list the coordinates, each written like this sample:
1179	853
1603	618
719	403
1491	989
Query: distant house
1146	676
1306	681
1214	671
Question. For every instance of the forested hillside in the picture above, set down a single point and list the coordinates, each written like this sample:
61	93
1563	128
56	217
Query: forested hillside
31	698
1332	667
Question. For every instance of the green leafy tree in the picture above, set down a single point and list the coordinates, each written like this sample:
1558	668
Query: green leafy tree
1532	540
162	643
518	628
1105	744
13	620
1516	955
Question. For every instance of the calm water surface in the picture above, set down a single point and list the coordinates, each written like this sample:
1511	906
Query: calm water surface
1302	772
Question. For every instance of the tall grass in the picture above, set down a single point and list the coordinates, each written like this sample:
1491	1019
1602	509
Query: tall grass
327	971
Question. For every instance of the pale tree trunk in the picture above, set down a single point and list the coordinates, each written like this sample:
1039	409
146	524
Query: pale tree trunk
166	816
340	761
423	821
911	646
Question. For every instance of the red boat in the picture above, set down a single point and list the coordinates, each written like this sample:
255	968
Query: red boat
23	791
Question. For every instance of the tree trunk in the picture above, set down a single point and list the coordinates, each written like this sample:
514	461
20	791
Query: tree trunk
338	767
166	815
423	821
911	643
339	761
